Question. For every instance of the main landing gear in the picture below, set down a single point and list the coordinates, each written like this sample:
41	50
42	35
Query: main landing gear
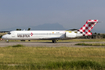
7	41
54	41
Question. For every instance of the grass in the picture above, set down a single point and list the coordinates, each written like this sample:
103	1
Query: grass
93	44
54	58
18	45
83	40
61	65
77	64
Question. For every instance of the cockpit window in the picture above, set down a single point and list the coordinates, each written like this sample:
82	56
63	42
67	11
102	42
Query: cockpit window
9	33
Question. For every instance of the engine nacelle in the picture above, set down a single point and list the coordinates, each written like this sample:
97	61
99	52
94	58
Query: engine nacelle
70	34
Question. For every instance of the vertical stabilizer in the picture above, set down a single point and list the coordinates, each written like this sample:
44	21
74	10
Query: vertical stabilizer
85	30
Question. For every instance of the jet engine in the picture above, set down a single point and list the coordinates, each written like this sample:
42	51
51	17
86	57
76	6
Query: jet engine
70	34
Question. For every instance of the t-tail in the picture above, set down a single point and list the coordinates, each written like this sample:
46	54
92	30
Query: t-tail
86	29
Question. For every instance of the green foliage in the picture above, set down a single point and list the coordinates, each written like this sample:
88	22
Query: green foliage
57	65
0	36
18	45
103	35
18	29
94	44
29	29
73	64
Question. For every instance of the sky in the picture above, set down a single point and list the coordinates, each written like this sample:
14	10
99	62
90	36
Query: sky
68	13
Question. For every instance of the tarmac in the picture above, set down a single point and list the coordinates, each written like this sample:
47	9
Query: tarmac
47	44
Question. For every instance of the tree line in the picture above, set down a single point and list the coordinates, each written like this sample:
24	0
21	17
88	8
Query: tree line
20	29
94	36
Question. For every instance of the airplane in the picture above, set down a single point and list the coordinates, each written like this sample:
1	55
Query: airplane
53	35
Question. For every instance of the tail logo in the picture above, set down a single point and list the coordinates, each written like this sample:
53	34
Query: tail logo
85	30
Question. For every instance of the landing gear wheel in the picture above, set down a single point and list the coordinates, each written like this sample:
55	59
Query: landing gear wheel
7	41
54	41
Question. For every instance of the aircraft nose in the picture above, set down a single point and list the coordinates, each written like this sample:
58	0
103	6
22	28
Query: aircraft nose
4	37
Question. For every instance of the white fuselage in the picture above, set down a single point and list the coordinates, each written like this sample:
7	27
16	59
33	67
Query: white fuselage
48	35
53	35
